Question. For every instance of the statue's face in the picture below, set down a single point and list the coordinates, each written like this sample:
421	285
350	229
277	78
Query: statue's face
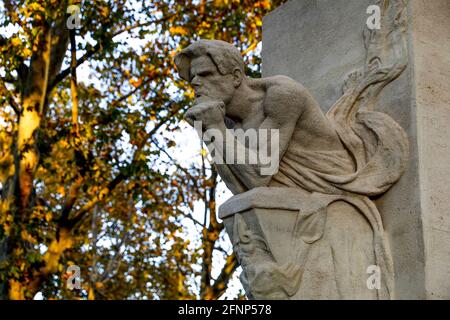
208	83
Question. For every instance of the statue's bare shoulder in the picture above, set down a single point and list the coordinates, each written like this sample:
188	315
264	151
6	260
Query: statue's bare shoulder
285	97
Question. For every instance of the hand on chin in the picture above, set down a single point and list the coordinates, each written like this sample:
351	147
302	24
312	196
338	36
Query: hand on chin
210	112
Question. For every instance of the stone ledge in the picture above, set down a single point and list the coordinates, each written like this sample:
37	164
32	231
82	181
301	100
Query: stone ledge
264	198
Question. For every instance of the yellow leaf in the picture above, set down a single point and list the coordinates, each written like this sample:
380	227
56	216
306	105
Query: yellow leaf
60	190
104	11
27	52
205	25
64	143
27	237
266	4
16	290
6	229
36	6
203	152
178	30
48	216
16	42
220	3
189	94
136	83
99	285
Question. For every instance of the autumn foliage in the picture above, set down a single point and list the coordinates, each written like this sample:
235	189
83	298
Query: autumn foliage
87	123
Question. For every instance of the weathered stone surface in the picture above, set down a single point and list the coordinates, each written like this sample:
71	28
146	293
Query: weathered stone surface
318	43
313	230
290	247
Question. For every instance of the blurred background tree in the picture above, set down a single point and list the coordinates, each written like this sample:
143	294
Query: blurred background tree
88	175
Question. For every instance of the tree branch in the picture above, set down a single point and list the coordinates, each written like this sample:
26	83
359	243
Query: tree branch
175	163
101	44
189	216
90	52
6	93
73	82
220	285
124	174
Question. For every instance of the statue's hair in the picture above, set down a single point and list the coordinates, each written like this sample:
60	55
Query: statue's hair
224	55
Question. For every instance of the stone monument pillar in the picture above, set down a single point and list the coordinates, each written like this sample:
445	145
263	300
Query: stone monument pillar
319	43
338	157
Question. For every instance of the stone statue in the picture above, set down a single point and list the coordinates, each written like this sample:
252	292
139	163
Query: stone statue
309	230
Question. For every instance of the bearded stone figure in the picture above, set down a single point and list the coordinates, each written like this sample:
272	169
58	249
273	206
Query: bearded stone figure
310	229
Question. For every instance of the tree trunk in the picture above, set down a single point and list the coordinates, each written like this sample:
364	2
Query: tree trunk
17	198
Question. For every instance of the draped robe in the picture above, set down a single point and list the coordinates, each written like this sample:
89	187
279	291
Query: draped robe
374	159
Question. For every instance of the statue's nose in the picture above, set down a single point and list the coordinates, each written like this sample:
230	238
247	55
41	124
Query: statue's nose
195	82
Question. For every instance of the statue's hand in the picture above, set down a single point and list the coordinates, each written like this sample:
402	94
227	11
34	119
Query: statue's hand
210	113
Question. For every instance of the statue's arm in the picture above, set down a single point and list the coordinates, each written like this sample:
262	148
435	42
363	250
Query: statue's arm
283	107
